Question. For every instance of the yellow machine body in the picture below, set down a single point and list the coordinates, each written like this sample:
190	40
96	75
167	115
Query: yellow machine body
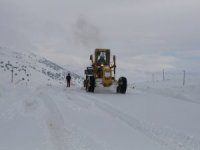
102	67
102	72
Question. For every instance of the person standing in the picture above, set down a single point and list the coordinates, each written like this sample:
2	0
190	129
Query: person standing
68	78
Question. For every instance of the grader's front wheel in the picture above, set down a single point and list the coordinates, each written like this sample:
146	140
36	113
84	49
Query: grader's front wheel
122	85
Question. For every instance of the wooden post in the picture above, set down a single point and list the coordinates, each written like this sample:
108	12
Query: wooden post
163	74
183	77
12	75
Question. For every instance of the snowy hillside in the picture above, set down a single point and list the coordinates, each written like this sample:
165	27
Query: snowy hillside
40	113
29	68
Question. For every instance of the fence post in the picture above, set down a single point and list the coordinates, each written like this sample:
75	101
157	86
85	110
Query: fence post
183	77
163	74
12	75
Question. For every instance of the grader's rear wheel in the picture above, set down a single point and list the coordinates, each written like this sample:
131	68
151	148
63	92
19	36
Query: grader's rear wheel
90	84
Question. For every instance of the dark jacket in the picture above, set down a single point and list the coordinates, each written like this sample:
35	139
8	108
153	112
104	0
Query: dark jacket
68	77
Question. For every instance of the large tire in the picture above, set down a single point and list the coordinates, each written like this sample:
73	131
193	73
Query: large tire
87	86
122	85
90	84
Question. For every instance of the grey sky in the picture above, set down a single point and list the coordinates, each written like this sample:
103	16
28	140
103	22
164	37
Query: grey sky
145	35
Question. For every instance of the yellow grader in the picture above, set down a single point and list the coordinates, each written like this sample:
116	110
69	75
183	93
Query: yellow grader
102	72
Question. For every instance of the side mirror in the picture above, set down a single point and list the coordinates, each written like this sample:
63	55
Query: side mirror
114	60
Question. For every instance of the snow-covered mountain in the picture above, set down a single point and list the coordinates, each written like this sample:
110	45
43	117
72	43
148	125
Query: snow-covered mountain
29	68
38	111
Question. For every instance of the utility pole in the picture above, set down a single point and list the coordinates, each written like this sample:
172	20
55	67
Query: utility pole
163	74
183	77
12	75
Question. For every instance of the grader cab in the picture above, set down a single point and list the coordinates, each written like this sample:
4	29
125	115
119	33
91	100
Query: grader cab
102	72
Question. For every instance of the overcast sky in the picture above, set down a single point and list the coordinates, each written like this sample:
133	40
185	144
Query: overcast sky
145	35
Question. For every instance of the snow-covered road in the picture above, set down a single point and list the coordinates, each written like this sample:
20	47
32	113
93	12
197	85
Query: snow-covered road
59	118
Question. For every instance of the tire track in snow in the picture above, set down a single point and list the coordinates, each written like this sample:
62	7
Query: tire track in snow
55	123
65	136
164	136
78	139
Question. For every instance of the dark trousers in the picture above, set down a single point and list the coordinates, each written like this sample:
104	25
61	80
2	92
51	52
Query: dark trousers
68	83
